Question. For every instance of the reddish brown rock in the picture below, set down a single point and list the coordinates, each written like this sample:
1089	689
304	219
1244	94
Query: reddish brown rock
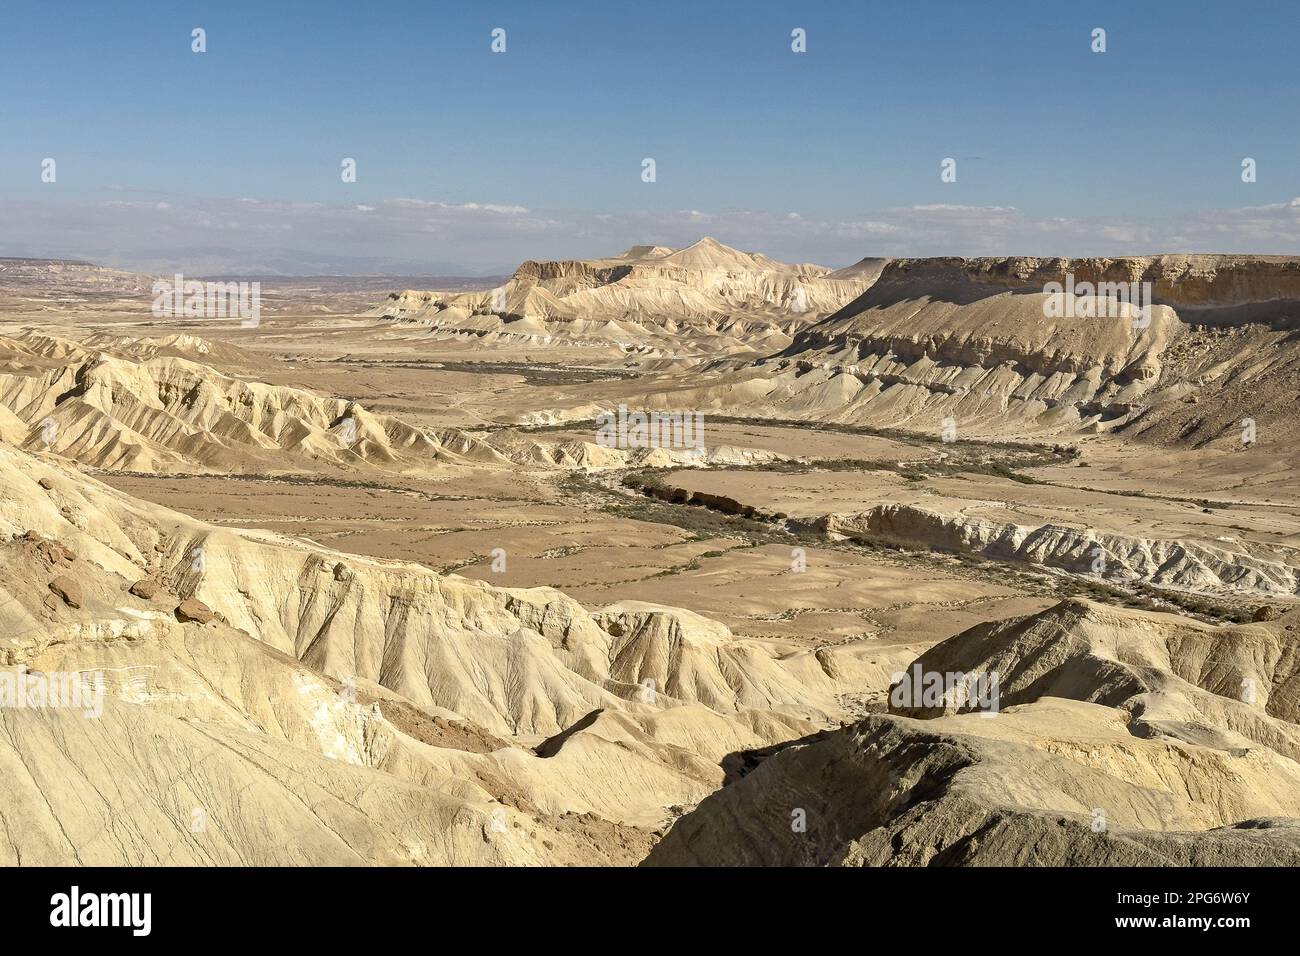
41	547
68	589
145	588
192	609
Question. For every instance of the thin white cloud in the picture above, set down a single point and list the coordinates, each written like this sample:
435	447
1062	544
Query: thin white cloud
468	206
949	207
405	233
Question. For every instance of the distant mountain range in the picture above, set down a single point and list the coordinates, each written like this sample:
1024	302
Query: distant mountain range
213	261
77	276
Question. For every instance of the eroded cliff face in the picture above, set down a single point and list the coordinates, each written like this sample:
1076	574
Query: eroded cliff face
515	661
513	725
981	343
1113	730
147	410
986	342
738	301
1194	281
1230	567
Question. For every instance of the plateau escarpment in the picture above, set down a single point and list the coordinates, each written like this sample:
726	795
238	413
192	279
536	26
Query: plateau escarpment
990	348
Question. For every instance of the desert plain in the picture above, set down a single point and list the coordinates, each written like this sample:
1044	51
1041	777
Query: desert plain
363	583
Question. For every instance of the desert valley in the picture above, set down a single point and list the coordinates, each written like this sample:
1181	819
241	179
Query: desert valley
942	574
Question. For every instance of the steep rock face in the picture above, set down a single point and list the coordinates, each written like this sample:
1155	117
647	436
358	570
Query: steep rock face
1178	280
518	661
1230	687
925	343
914	350
1169	563
690	657
981	342
1119	738
1025	789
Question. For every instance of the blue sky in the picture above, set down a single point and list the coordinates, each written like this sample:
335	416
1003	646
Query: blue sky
466	157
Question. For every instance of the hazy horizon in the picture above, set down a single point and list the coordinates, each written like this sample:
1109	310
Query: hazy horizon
468	160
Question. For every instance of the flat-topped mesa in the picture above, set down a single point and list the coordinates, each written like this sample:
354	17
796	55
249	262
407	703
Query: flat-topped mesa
60	276
952	313
1009	311
600	271
8	263
1188	281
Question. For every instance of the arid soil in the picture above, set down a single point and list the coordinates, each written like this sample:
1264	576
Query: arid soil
366	584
